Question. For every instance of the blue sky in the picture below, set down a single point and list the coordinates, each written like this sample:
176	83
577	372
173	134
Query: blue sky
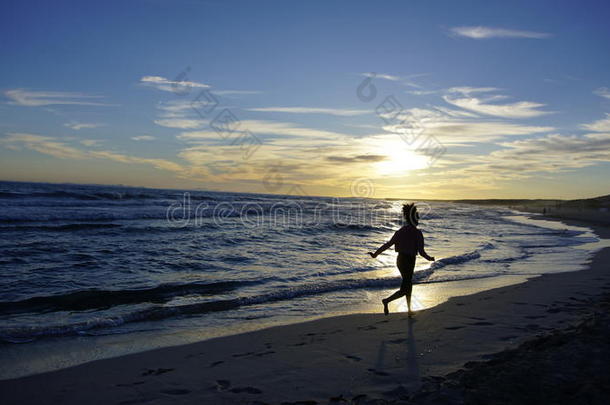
488	99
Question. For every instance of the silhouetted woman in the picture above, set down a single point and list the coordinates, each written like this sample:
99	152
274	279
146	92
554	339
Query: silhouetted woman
408	241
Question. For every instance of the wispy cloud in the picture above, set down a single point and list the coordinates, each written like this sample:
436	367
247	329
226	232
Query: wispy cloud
43	144
382	76
602	125
75	125
177	108
90	142
467	90
53	147
30	98
311	110
422	92
286	129
198	135
164	84
406	80
143	138
280	130
181	123
356	159
236	92
523	159
602	92
481	32
521	109
456	127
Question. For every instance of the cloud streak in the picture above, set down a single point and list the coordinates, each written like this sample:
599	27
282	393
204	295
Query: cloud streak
311	110
481	32
456	128
602	92
463	97
181	123
51	146
602	125
164	84
29	98
75	125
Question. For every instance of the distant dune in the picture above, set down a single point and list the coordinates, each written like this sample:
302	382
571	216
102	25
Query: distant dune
594	210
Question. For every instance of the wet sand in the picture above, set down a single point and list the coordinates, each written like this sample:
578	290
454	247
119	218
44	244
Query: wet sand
356	358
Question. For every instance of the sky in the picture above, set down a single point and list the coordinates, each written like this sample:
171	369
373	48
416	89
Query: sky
403	99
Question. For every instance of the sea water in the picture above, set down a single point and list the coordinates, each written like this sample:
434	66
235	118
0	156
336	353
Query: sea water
150	267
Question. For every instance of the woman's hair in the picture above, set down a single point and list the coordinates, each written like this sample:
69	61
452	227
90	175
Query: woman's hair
409	213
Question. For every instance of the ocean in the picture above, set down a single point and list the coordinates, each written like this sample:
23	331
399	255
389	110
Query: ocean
107	270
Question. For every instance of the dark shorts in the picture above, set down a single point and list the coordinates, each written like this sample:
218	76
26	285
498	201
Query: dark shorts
406	265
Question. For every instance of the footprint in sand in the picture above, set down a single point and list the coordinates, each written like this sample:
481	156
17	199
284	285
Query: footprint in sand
243	354
247	390
216	363
379	373
222	385
135	401
175	391
355	358
130	384
157	371
264	353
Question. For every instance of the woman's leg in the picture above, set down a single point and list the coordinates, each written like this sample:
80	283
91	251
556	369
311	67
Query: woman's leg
405	264
407	288
396	295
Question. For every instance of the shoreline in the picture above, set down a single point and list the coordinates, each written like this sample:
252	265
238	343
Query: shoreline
56	353
338	357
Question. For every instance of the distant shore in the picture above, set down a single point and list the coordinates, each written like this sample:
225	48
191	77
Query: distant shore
354	357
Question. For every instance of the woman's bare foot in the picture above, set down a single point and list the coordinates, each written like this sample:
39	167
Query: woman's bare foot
385	307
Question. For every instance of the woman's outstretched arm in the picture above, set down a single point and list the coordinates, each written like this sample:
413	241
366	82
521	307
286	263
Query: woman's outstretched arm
420	248
383	247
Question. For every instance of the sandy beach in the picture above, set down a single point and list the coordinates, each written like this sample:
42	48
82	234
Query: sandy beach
358	358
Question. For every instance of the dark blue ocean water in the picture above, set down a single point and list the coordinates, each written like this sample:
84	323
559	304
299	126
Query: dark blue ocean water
93	260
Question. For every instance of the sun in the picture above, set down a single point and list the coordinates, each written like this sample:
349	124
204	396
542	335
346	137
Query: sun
400	158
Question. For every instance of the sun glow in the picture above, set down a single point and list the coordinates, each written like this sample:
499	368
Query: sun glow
400	159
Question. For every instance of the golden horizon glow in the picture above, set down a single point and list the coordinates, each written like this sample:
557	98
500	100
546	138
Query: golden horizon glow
400	159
